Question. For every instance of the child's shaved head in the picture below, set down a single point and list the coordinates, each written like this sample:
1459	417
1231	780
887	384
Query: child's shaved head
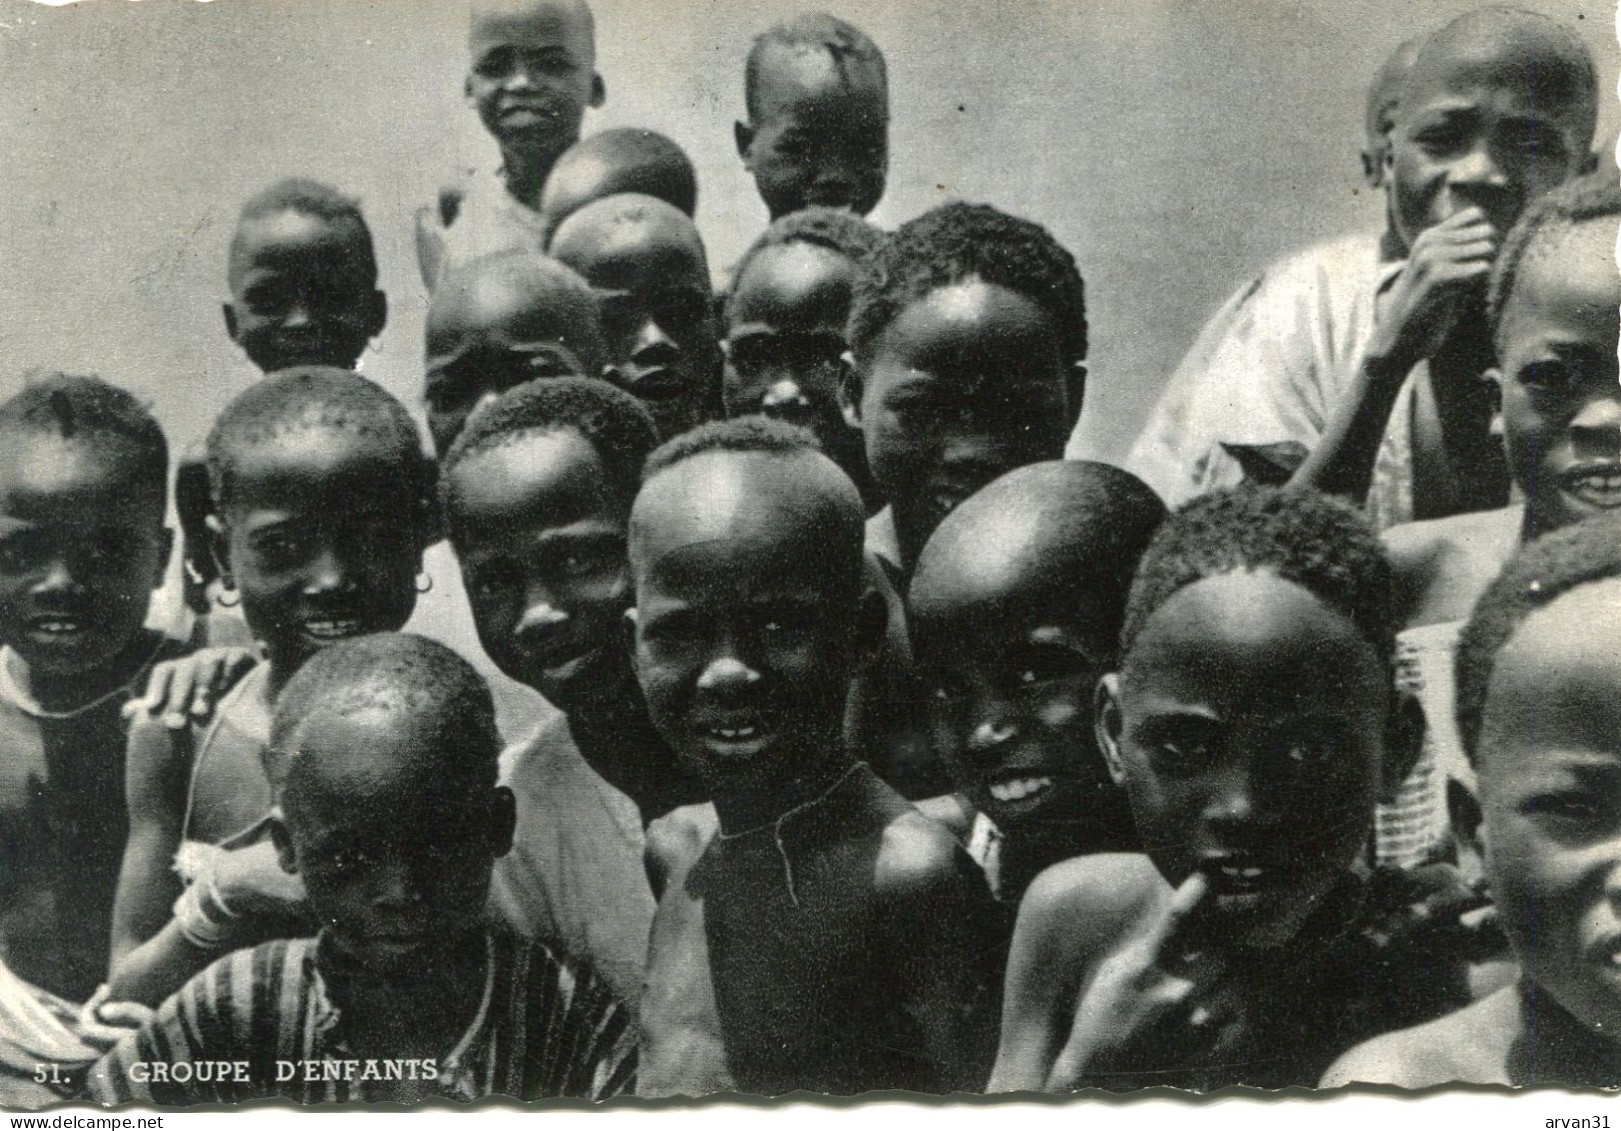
1049	538
498	321
1384	94
315	199
623	220
496	22
616	161
400	673
1509	46
1594	197
88	410
714	498
855	55
312	397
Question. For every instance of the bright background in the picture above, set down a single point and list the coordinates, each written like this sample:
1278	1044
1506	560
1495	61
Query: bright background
1175	146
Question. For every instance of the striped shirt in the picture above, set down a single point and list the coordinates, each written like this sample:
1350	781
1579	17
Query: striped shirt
259	1023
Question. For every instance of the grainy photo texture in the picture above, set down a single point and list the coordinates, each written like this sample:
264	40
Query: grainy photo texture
592	550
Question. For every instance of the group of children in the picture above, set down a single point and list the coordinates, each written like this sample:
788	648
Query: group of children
745	694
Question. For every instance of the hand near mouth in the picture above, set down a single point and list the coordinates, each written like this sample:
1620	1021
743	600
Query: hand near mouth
1162	1002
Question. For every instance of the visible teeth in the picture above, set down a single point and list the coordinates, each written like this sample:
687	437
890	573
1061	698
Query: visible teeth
332	628
57	625
1017	789
1249	873
733	733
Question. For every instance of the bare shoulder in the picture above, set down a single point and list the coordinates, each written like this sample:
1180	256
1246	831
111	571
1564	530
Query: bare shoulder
1470	1046
1442	565
917	856
1093	899
950	811
675	842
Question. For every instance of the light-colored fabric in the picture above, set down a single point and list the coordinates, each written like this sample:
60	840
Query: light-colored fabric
1269	368
985	849
489	220
575	872
1413	828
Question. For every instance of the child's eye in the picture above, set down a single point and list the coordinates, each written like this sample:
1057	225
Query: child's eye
1571	807
494	64
1550	378
1183	756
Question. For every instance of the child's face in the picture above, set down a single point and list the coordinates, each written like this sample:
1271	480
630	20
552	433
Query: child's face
496	335
966	384
297	295
657	311
1012	682
395	850
743	631
1464	137
786	337
1550	783
1247	726
821	133
82	546
1558	375
323	538
533	74
540	534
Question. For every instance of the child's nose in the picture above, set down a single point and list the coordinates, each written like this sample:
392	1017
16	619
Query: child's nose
57	575
1479	167
1596	427
541	616
727	674
653	338
328	571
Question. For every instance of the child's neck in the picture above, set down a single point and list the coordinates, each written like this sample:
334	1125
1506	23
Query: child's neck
1556	1048
416	1013
74	690
525	175
742	810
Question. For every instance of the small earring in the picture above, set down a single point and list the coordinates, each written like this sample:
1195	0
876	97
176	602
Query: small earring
424	583
222	602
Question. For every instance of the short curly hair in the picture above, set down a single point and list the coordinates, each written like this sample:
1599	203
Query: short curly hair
1314	541
90	410
1596	196
1533	579
313	396
739	434
832	228
610	419
958	242
393	671
317	199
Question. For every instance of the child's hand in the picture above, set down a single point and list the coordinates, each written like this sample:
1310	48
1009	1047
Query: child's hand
1448	264
102	1023
1163	1003
184	691
251	882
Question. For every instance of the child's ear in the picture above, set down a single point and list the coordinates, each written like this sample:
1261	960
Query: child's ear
1493	377
1076	388
599	92
743	135
503	821
165	549
229	311
1404	742
219	547
285	856
850	390
1106	724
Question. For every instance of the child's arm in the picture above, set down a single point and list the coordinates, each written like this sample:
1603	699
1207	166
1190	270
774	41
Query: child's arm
946	941
157	772
1448	264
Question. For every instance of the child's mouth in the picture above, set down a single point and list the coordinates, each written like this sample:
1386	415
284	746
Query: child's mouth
1013	790
335	628
1597	486
55	628
736	734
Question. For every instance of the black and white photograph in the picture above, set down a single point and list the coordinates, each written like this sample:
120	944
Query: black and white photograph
613	551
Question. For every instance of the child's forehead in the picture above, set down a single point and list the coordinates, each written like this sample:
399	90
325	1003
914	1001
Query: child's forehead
316	458
505	307
290	229
38	470
793	278
539	478
1571	265
530	24
1540	77
597	239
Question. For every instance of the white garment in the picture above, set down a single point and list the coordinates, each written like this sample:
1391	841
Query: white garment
1269	368
489	220
575	872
